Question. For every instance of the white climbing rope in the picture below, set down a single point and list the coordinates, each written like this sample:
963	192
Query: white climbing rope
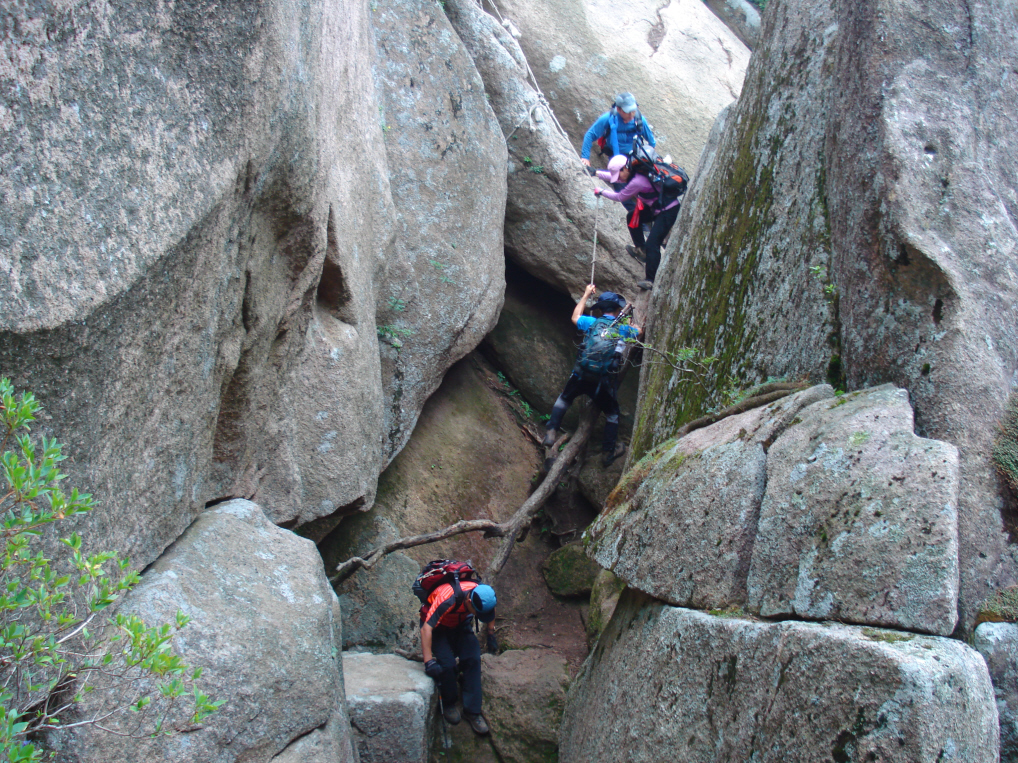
528	117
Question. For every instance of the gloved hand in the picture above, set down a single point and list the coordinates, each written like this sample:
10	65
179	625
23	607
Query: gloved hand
433	669
590	170
597	191
492	644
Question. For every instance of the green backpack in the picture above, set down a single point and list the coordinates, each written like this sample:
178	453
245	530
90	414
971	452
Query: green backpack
597	353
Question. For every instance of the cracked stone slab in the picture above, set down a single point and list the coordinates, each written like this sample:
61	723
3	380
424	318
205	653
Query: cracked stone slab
392	704
674	684
859	519
998	643
686	535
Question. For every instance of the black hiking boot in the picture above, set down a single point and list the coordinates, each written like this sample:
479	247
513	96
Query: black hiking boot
549	438
477	722
645	285
610	455
452	715
637	253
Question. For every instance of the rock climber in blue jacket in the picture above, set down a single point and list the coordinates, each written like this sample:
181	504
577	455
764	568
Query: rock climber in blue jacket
617	127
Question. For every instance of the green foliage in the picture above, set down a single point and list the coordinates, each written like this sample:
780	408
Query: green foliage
397	305
528	410
392	334
1005	449
55	643
1000	607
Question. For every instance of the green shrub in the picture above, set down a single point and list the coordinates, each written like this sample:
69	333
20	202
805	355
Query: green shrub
57	638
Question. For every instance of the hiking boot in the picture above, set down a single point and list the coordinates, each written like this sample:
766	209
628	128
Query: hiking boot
452	715
477	723
645	285
610	455
549	438
637	253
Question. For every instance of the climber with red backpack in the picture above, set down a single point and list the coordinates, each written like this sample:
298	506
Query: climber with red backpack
655	187
595	373
453	597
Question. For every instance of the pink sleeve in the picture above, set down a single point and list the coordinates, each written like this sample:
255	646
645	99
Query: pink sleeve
637	184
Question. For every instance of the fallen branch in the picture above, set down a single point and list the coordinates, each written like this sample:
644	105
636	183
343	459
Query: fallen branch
490	527
525	514
509	530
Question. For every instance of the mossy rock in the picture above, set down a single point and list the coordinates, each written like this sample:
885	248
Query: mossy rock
1005	449
568	571
1001	607
603	598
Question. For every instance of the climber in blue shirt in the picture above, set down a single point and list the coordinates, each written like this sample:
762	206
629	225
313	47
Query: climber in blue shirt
615	129
596	371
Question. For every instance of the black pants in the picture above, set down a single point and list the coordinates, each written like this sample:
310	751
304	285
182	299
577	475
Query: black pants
602	391
660	226
446	645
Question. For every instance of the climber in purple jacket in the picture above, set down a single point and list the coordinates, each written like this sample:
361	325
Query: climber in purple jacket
640	190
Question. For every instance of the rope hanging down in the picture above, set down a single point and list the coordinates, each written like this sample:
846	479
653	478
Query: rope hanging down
542	101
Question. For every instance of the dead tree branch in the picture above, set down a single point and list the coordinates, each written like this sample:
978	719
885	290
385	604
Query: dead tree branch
508	530
770	393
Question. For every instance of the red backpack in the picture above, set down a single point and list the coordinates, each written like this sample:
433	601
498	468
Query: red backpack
441	571
669	180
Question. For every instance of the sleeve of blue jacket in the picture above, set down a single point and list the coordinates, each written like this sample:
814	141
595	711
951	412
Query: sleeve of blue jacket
596	131
647	134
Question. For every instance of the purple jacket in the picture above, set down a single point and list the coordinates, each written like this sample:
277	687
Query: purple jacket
638	185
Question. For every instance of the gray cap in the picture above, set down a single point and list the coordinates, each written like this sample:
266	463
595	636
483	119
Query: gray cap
625	102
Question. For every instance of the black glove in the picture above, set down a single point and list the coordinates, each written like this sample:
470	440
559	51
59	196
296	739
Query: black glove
433	669
590	171
492	644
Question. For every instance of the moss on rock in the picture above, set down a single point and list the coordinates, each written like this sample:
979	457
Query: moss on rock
1005	449
603	598
1001	607
568	571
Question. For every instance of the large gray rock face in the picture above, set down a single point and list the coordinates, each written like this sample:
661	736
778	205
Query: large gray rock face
550	210
859	522
741	16
393	707
447	174
818	507
176	328
524	697
713	688
791	264
467	459
998	643
199	249
264	628
679	59
682	524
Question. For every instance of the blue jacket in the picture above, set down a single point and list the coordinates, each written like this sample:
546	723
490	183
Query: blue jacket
620	134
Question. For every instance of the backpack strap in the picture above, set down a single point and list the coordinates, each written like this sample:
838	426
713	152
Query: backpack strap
613	130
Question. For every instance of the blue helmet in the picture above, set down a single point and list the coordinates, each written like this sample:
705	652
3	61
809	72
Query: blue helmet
484	601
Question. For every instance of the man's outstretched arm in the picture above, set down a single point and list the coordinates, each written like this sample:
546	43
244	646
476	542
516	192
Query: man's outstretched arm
582	304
